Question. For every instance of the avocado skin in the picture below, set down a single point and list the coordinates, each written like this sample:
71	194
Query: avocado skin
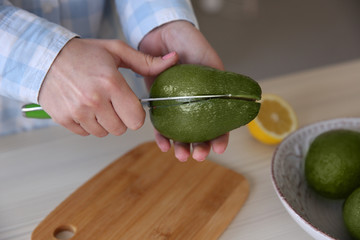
202	120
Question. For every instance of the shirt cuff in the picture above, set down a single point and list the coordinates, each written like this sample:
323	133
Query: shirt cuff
140	17
29	45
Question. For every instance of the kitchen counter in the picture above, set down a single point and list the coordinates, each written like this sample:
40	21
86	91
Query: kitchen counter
39	169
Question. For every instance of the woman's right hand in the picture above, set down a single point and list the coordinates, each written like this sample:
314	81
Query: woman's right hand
84	91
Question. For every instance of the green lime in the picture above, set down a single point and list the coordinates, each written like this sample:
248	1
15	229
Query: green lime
351	213
201	120
332	164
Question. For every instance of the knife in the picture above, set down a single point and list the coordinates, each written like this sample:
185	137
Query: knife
33	110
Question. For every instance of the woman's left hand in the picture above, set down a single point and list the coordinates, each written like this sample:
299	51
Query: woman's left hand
192	47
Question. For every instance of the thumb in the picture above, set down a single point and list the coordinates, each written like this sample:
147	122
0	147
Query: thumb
143	64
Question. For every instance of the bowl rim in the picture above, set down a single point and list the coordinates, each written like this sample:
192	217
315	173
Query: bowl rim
278	191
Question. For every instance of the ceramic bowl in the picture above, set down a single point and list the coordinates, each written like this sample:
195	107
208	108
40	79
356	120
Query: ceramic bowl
318	216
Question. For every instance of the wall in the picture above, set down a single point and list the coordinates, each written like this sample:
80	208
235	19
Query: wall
266	38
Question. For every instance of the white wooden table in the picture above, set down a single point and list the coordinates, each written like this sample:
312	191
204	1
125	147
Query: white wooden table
39	169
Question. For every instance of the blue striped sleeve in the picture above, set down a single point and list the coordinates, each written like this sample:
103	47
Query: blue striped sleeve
141	16
29	45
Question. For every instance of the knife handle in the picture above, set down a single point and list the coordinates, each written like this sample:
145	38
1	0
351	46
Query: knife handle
33	110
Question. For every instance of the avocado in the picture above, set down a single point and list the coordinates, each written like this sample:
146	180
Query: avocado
201	120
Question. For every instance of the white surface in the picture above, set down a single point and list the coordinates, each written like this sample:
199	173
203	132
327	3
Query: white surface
320	217
40	169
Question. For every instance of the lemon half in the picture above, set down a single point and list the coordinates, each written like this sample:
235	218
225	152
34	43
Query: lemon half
275	121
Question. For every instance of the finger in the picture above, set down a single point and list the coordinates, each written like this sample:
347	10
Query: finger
139	62
87	120
162	142
66	120
201	151
219	144
72	126
77	129
127	105
182	151
148	65
110	121
92	126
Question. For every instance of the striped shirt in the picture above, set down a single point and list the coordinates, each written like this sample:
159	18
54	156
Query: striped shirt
32	32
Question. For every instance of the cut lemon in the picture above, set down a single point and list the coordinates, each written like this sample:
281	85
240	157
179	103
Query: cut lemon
276	120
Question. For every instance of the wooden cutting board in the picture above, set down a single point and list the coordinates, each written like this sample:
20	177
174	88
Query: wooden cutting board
147	194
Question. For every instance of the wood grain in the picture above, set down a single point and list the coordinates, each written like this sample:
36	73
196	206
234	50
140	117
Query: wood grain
147	194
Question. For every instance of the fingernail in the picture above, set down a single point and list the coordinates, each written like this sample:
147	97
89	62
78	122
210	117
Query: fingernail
199	159
169	55
163	149
181	158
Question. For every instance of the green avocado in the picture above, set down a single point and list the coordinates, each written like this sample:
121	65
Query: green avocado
332	163
201	120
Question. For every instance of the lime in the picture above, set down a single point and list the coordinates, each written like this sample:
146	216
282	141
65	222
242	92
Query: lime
201	120
332	163
351	213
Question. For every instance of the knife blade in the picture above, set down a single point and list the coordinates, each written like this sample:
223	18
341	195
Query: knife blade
33	110
145	100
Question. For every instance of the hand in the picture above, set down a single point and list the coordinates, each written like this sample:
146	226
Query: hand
192	47
85	92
